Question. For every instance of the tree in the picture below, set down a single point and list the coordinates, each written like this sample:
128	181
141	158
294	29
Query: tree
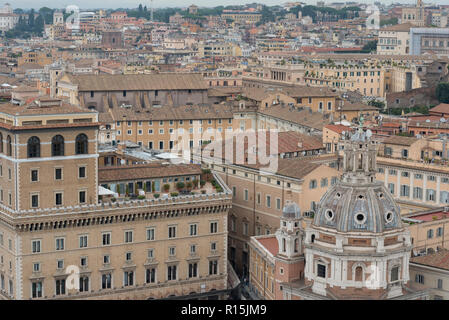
442	92
370	46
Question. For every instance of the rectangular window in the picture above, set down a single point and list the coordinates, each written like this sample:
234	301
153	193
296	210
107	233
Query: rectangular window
58	173
128	256
106	239
83	241
245	195
34	175
84	284
82	196
36	246
58	198
106	281
81	172
172	232
150	275
193	229
213	267
419	278
269	201
171	273
60	287
193	270
128	236
128	278
34	200
321	271
213	227
150	234
60	244
278	204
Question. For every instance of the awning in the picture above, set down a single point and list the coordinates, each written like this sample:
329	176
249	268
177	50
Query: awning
102	191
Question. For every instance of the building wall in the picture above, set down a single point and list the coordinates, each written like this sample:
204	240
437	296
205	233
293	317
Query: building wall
431	277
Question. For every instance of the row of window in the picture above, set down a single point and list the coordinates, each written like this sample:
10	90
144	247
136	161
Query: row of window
128	255
439	233
418	193
58	198
324	182
171	131
418	176
58	174
57	146
171	122
129	277
36	244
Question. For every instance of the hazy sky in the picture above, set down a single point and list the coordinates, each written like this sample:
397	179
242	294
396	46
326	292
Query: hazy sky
89	4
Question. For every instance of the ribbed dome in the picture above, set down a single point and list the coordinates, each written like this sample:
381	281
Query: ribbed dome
348	207
291	211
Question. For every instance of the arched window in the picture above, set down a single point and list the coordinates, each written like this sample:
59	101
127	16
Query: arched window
358	274
81	144
57	146
34	147
1	142
8	146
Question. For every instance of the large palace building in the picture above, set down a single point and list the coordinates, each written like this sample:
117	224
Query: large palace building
355	248
58	241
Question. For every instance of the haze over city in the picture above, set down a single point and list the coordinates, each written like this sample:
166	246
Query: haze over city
86	4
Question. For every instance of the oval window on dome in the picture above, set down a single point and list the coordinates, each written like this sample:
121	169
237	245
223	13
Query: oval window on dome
329	214
361	196
360	218
381	195
338	194
389	216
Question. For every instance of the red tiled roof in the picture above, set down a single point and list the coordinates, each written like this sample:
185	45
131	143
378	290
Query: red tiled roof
439	260
271	244
430	216
441	108
337	128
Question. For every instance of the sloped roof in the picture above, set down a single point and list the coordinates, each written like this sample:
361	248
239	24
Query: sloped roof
400	140
438	260
441	108
145	171
130	82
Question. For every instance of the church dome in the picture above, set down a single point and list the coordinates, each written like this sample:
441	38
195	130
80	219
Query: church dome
358	208
358	203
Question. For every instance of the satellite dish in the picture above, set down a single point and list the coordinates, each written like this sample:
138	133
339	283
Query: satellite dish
443	120
369	133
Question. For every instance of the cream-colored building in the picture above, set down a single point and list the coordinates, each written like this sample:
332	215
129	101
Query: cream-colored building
431	272
394	40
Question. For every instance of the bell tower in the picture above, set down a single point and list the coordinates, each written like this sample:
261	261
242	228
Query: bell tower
289	235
